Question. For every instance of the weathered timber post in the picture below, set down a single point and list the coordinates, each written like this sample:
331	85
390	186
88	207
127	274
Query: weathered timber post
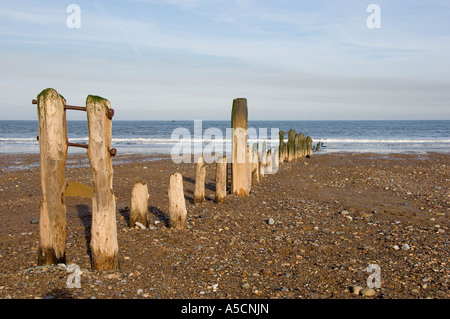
309	146
104	245
263	164
286	152
177	203
304	145
291	145
200	176
269	162
281	147
298	147
255	166
249	169
53	150
276	160
139	204
239	121
221	179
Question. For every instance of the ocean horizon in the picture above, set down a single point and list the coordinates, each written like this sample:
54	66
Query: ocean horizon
160	137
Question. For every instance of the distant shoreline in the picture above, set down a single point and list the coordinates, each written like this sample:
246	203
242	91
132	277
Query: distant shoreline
24	162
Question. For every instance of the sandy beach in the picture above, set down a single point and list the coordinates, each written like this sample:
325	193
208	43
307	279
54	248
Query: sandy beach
309	231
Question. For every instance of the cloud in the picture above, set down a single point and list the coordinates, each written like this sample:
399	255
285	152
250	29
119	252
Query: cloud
204	53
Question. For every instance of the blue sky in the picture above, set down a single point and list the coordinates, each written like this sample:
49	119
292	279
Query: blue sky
174	59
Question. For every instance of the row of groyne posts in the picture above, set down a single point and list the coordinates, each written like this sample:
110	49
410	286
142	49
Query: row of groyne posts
247	169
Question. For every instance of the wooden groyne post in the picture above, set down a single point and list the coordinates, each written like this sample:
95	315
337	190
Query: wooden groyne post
309	142
139	204
291	145
281	147
104	245
53	150
221	179
177	203
255	165
239	122
53	144
248	169
200	176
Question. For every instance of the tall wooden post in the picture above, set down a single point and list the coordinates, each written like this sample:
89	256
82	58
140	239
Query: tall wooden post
269	162
104	245
200	176
263	164
53	150
177	203
286	152
239	122
276	160
249	169
291	146
309	146
255	166
221	179
139	204
281	147
303	145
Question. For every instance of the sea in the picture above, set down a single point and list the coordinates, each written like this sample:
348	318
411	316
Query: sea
163	137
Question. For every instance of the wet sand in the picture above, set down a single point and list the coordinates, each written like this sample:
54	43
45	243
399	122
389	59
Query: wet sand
331	216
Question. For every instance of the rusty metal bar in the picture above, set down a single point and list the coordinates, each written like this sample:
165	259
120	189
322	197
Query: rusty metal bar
76	108
109	112
77	145
112	152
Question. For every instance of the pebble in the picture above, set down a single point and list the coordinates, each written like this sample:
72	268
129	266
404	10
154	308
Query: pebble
266	272
396	247
349	218
406	247
140	225
357	289
139	291
368	292
271	221
245	286
345	212
34	221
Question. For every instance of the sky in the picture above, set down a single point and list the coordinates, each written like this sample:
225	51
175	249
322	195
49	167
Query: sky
175	59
